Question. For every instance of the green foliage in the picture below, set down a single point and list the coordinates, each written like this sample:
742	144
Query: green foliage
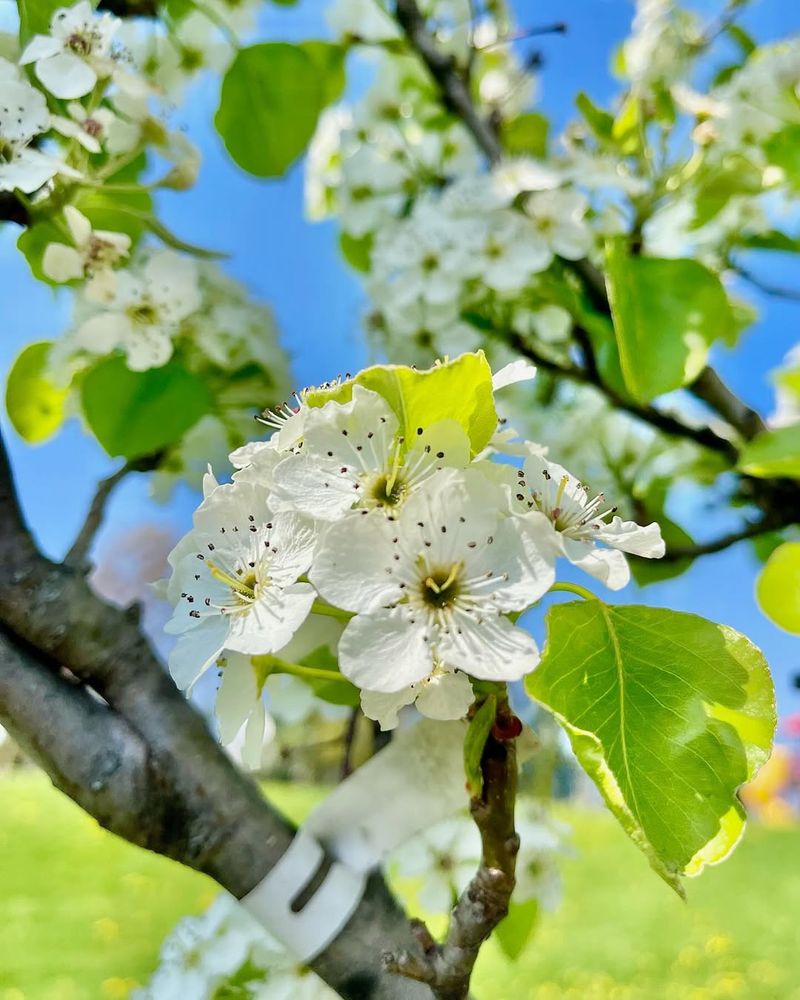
601	123
133	414
336	691
783	150
356	251
778	587
480	726
525	135
423	398
647	571
35	406
773	453
271	99
516	929
666	315
33	242
35	17
669	714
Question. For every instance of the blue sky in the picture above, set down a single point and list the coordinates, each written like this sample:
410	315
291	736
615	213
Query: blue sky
295	266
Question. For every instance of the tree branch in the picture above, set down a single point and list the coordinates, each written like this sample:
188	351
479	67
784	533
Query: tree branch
447	968
191	803
676	552
453	87
79	552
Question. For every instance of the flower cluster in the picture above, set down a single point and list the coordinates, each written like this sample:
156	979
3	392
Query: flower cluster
410	534
448	854
225	952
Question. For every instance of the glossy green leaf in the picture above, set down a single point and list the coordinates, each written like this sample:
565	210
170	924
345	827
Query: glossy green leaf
35	17
599	121
525	135
773	453
669	714
459	390
336	691
269	104
480	725
328	59
133	414
32	243
778	587
35	406
516	929
666	315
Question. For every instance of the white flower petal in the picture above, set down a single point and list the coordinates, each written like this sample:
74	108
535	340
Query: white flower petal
515	371
196	650
492	650
382	651
609	566
65	75
62	263
271	620
383	706
236	697
79	226
40	47
445	696
350	567
639	540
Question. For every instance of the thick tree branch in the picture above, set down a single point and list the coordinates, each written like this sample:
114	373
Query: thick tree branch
447	967
710	388
193	805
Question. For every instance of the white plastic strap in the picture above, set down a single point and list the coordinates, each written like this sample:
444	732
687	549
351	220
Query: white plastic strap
413	783
309	931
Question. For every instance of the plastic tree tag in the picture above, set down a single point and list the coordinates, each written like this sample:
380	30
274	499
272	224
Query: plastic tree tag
305	926
410	785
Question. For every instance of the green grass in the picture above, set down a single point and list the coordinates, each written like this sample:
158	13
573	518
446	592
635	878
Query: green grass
82	914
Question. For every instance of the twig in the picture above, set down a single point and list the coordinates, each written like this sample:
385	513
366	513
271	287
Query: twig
447	967
710	388
665	422
452	85
677	552
349	739
78	554
775	291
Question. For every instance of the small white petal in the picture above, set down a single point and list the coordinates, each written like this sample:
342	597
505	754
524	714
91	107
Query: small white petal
272	620
515	371
492	650
62	263
446	696
639	540
384	706
40	47
609	566
350	567
236	697
65	75
382	651
196	650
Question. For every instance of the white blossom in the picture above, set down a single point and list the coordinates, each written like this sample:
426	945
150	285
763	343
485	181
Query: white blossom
77	52
443	694
579	522
353	457
23	116
434	586
234	582
145	312
93	255
90	128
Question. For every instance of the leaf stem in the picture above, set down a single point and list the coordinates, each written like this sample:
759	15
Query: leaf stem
321	608
573	588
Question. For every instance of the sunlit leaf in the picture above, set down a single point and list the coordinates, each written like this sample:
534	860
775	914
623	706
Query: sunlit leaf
669	714
773	453
516	929
138	413
480	725
666	315
35	406
269	104
778	587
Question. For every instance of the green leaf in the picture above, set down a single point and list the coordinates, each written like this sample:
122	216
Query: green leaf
783	150
625	130
335	691
666	315
357	251
516	929
772	240
459	390
773	453
600	122
525	135
669	714
35	406
745	41
32	243
480	725
138	413
646	571
35	17
778	587
270	101
328	60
